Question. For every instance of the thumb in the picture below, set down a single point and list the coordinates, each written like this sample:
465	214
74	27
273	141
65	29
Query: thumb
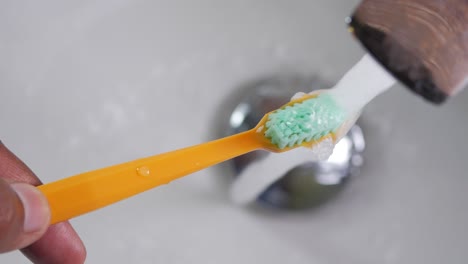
24	215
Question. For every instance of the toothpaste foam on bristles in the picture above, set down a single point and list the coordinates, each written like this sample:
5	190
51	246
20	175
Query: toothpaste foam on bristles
311	119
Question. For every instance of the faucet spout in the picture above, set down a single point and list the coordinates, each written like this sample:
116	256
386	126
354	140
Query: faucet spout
423	43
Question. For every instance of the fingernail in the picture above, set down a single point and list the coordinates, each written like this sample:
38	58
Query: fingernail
36	208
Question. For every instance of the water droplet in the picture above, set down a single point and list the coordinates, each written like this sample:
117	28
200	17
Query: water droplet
143	171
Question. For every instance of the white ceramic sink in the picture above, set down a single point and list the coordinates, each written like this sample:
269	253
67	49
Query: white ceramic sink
86	84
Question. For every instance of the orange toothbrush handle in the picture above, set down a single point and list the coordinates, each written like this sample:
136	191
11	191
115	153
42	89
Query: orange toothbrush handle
92	190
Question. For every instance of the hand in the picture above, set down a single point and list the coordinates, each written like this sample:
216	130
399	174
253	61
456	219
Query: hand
24	218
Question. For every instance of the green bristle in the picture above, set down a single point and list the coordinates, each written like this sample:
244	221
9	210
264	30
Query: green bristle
303	122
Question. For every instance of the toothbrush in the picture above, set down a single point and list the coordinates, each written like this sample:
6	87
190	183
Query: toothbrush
304	121
76	195
360	85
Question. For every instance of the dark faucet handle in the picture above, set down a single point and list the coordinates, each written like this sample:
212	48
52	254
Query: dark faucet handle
423	43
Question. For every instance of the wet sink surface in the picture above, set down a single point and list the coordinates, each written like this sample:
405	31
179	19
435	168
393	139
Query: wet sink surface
94	83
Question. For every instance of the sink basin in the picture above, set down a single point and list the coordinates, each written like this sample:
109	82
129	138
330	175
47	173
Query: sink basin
87	84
